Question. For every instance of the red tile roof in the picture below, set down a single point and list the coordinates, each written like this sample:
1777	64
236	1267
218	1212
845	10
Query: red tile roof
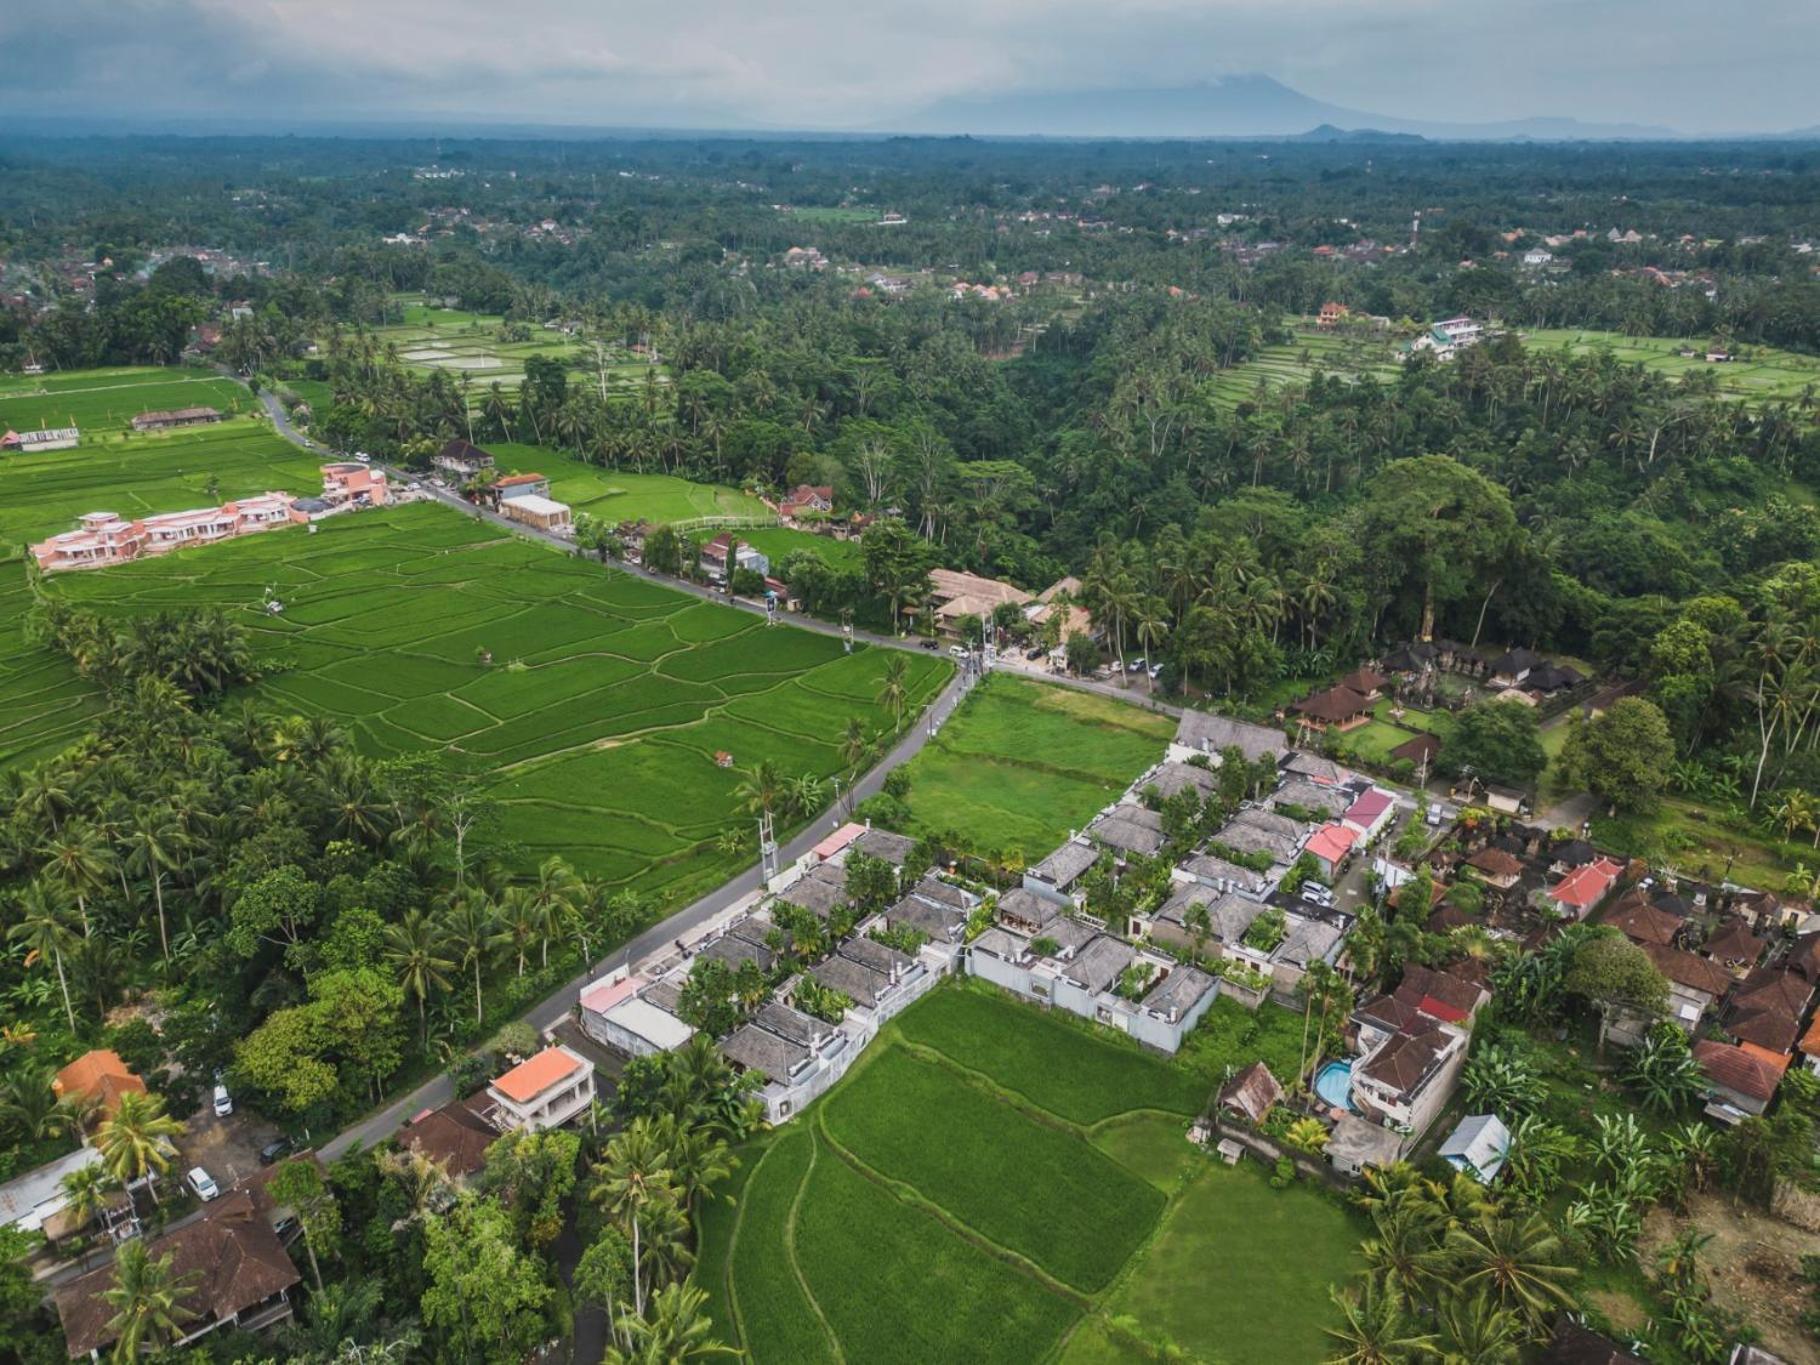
1732	1068
1369	807
1585	886
1332	842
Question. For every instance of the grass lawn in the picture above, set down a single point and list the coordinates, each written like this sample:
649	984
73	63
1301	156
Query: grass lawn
1016	1046
989	1181
1021	764
1261	1263
1231	1037
616	495
596	724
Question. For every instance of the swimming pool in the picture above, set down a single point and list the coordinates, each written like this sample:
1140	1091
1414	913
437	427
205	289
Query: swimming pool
1333	1083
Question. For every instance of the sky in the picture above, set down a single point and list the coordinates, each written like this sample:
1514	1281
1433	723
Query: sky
1691	65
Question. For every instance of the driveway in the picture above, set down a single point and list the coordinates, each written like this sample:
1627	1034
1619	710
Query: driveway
227	1149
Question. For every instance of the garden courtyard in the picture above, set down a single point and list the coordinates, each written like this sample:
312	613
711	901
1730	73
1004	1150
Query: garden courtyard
992	1183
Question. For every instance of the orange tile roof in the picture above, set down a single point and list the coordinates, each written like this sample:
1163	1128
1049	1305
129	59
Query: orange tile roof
1811	1043
99	1074
530	1078
1776	1061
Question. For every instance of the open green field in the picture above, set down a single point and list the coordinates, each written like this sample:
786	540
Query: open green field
935	1207
615	495
1021	763
1274	367
1765	372
778	543
818	213
597	722
43	494
107	400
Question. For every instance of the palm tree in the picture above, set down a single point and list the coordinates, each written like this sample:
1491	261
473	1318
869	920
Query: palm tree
698	1160
474	934
1518	1262
1375	1328
147	1300
135	1141
893	693
1152	630
631	1179
154	847
760	790
518	921
28	1105
677	1330
45	929
77	859
554	898
415	947
1475	1331
85	1191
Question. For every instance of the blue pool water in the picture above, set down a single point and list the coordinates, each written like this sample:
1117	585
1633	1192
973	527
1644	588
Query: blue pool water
1333	1083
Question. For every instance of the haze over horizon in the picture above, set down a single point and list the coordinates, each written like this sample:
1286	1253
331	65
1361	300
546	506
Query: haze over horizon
863	65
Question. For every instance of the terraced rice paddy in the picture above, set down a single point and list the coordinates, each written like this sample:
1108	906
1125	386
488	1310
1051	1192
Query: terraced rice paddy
1021	764
106	401
1274	367
597	721
470	344
932	1208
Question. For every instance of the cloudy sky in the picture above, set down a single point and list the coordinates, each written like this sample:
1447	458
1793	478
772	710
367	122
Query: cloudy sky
1695	65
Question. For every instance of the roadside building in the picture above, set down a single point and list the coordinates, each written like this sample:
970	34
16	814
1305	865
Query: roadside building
543	1091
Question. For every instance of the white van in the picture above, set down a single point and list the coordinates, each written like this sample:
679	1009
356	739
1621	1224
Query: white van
203	1183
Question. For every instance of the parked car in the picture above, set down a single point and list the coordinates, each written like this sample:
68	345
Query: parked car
932	644
224	1102
364	458
1034	652
1156	671
1434	816
958	651
274	1149
1135	665
203	1183
1316	894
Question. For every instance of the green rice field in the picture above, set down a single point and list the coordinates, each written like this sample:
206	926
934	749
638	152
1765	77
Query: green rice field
42	494
106	401
469	346
1275	367
597	721
935	1207
1762	373
1021	763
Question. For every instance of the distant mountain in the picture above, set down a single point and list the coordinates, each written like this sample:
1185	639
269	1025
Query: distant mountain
1328	133
1243	106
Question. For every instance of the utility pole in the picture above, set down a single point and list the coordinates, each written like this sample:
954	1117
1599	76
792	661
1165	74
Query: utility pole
767	849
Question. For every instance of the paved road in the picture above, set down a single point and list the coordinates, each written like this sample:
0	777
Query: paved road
438	1090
